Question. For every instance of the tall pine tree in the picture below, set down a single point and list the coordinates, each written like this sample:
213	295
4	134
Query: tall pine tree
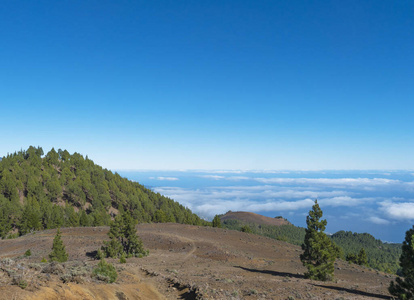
403	288
319	252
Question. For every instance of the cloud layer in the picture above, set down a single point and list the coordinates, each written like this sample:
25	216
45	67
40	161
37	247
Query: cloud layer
360	197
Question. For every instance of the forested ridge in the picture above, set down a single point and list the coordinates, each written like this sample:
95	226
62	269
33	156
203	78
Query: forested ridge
60	189
381	256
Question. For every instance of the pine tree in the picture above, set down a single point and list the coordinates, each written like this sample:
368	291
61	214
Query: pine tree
319	252
216	221
83	219
58	249
403	288
132	243
362	257
123	238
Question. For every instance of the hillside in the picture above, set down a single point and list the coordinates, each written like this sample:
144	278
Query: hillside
185	262
60	189
381	256
249	217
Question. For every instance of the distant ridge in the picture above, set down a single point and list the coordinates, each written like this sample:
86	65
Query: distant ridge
249	217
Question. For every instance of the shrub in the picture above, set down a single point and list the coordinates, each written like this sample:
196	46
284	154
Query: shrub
44	260
105	271
28	253
247	229
23	284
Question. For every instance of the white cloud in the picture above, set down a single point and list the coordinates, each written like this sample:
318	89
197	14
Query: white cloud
399	211
165	178
330	181
344	201
379	221
238	178
215	177
212	200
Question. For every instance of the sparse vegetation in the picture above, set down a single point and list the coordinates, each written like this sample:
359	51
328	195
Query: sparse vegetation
319	252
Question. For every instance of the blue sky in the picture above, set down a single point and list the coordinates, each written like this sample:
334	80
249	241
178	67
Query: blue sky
211	84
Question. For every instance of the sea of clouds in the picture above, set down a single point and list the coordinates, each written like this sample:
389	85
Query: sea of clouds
380	203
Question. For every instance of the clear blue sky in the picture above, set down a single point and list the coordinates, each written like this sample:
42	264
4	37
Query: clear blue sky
211	84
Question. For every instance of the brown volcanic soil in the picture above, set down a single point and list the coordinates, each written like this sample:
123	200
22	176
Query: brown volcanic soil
185	262
249	217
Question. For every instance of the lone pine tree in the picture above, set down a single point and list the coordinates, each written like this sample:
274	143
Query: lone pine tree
123	238
319	251
403	288
58	249
216	221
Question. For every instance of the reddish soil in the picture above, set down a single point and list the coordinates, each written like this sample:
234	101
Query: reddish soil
185	262
249	217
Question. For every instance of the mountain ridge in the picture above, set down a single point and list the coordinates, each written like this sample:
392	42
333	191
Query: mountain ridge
59	189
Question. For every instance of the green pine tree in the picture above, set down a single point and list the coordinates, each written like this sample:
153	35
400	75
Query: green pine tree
132	243
84	219
58	249
362	257
123	238
403	288
216	221
319	252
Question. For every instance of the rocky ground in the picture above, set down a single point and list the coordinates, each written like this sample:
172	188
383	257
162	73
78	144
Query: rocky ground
185	262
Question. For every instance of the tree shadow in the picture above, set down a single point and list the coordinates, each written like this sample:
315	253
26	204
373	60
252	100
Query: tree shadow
274	273
92	254
352	291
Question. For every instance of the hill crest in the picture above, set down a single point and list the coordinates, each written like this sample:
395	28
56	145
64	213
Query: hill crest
249	217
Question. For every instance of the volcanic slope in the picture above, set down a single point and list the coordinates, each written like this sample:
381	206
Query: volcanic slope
185	262
249	217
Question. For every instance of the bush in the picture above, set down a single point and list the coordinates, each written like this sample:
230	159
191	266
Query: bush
23	284
247	229
122	260
28	253
105	272
20	282
44	260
